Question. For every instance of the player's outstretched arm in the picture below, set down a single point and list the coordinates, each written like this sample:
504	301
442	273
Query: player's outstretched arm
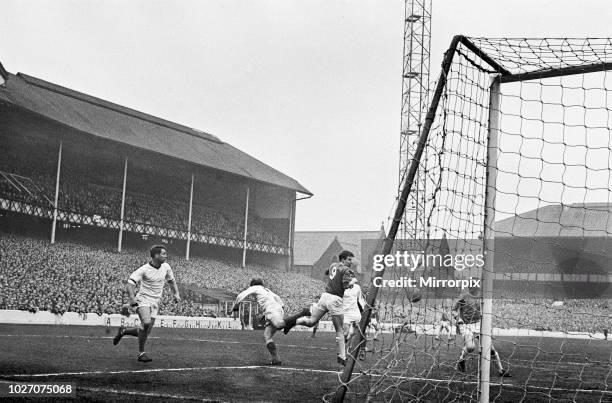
131	289
175	290
171	280
278	300
132	283
242	296
361	299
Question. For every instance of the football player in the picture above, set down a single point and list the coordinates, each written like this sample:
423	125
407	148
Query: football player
151	278
467	314
272	306
340	277
443	323
353	304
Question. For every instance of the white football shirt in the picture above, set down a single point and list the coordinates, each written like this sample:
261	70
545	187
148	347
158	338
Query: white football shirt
267	300
353	295
151	280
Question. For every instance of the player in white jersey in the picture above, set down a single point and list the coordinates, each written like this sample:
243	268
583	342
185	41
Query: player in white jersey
443	324
151	277
272	306
353	303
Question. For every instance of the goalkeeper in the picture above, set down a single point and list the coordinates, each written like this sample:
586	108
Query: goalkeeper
467	315
272	306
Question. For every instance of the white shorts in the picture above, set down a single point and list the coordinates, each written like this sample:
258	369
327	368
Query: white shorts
274	314
330	303
352	316
470	331
473	328
445	324
150	303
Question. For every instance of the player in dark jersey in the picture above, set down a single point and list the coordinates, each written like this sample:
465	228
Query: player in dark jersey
467	315
340	277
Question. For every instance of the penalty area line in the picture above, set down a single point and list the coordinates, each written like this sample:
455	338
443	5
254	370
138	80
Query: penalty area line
130	371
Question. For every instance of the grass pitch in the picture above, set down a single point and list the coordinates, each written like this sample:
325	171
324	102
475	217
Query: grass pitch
222	365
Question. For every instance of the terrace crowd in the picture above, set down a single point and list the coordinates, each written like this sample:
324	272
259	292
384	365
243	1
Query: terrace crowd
574	315
70	277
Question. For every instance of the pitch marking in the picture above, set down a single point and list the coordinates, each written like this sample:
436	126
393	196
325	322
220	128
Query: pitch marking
55	336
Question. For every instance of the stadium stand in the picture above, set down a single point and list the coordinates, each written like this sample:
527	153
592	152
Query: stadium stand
96	195
181	185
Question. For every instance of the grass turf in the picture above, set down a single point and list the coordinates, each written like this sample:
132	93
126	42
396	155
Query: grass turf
222	365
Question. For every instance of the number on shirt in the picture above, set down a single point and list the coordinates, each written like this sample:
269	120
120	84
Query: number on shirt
332	272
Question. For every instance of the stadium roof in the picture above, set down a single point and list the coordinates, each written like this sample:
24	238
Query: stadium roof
117	123
574	220
308	246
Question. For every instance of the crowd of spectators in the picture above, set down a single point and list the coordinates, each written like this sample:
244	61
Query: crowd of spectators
578	315
71	277
562	315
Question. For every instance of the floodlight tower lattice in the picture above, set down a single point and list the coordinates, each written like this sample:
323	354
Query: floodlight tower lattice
415	99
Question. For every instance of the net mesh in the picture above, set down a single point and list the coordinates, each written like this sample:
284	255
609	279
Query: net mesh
550	176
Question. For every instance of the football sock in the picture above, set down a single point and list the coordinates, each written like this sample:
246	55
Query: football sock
495	358
272	349
301	314
130	331
291	319
142	339
341	345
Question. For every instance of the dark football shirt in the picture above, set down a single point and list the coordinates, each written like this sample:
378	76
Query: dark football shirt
339	278
468	307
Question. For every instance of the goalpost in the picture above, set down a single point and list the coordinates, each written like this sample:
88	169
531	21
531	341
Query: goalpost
516	152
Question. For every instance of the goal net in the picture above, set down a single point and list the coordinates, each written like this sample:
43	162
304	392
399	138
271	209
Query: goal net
515	158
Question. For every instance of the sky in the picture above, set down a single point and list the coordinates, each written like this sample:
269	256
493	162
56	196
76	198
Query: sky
312	88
